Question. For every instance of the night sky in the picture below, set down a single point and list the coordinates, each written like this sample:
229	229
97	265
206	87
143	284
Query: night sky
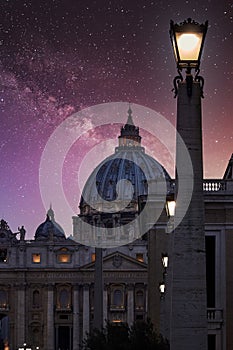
59	57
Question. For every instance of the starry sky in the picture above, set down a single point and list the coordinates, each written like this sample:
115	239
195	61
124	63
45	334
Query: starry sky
59	57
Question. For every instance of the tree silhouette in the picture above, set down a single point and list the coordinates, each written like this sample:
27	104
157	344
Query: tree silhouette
140	336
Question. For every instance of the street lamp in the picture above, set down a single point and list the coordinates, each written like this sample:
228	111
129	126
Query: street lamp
188	324
165	260
187	41
170	208
162	289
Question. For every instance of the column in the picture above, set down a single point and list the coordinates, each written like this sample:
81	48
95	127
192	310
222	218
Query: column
50	318
86	310
98	285
188	318
130	304
76	318
105	304
21	337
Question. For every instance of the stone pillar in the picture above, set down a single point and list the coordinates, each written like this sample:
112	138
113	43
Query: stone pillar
50	256
130	304
86	310
154	278
21	336
105	304
188	300
76	330
50	318
22	254
98	289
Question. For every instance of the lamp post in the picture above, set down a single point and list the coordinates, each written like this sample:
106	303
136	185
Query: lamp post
188	322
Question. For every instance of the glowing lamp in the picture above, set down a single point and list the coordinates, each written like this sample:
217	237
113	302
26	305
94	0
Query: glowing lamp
162	288
187	41
165	260
170	207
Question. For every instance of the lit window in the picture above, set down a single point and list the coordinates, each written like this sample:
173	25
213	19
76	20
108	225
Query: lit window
139	257
36	258
63	258
92	257
117	321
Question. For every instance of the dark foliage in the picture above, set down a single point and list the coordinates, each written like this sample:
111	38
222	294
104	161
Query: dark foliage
120	337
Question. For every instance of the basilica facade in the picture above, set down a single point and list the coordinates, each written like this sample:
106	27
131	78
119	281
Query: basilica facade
47	283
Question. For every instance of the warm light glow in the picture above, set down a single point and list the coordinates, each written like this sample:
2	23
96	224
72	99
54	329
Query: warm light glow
189	45
162	288
171	206
64	258
165	260
139	257
116	321
36	258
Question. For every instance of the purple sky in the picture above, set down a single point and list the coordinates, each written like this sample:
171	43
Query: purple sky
60	56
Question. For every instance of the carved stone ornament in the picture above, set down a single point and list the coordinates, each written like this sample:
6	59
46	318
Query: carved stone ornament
117	261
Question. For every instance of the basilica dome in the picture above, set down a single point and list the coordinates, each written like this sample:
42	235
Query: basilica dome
129	163
50	229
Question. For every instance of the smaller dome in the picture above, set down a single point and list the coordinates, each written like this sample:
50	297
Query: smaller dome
49	229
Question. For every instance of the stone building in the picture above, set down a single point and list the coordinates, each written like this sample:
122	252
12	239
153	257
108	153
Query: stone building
47	283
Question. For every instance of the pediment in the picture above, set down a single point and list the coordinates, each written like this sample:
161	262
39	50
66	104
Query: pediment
119	261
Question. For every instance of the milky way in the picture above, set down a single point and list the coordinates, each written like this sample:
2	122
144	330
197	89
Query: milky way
60	56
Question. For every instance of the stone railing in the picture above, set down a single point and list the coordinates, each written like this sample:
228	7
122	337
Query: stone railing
215	315
210	187
214	185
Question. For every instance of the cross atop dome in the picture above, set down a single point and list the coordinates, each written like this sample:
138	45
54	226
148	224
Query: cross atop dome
130	119
50	213
129	136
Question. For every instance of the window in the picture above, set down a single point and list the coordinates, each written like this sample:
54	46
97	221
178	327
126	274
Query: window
139	257
139	317
211	341
64	299
117	297
139	299
210	246
64	317
36	258
3	299
93	257
3	255
64	256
